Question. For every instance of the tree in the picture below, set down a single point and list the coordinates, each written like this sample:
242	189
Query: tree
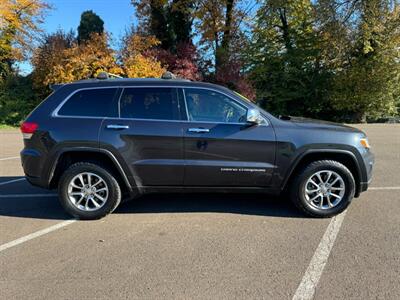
90	23
19	27
169	21
366	83
17	99
285	58
183	64
48	56
136	57
76	61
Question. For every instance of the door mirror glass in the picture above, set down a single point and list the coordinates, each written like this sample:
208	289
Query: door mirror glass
254	116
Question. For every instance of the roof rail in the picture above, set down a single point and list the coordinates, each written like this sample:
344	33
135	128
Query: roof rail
168	75
106	75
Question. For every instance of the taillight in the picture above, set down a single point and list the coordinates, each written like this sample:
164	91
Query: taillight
28	128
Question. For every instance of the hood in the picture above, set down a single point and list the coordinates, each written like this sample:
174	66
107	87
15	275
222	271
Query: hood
319	124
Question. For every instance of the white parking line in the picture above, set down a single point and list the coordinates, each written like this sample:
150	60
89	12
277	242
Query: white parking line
382	188
27	195
11	181
8	158
309	283
35	235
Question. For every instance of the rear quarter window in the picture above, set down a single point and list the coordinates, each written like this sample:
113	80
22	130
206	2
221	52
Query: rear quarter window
91	103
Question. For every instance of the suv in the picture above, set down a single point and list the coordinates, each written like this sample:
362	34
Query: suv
103	140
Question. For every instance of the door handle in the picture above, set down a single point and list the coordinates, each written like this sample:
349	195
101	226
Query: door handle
198	130
117	127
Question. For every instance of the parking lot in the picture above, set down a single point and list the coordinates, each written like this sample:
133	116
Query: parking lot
201	246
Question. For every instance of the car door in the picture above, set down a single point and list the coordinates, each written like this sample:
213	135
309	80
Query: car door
148	135
221	149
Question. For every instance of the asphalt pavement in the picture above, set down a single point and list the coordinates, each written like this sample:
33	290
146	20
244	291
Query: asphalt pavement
201	246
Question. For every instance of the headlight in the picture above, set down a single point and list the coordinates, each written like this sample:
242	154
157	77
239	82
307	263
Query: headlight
364	142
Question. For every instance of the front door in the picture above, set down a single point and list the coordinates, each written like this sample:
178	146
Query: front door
148	135
220	148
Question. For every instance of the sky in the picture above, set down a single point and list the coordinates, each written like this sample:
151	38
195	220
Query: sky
117	15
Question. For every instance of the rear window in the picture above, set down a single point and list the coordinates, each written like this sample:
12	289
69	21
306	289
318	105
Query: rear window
91	103
150	103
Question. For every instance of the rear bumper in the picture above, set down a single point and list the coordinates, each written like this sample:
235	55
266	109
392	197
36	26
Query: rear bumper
36	181
33	166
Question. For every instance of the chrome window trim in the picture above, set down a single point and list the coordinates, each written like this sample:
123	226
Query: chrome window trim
57	109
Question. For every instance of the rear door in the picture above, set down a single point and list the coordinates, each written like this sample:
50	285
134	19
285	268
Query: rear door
220	148
148	135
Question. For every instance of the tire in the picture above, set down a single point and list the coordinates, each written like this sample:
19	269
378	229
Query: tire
303	191
104	186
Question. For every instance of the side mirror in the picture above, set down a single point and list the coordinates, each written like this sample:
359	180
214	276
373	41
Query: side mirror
253	116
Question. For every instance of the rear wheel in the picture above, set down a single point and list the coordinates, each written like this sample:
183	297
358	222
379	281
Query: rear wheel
88	191
323	188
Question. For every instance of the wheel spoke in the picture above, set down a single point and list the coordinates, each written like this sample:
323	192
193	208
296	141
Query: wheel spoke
99	181
81	180
319	178
75	186
102	189
89	177
321	203
329	177
80	200
328	198
337	188
336	179
99	197
312	199
313	182
307	191
336	196
95	202
75	193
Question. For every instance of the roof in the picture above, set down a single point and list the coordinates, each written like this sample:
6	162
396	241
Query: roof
138	81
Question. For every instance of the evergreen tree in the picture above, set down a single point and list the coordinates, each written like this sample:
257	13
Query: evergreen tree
90	23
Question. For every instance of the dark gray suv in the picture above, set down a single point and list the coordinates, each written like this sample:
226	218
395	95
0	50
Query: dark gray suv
100	141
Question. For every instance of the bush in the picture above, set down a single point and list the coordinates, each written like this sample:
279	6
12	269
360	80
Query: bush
17	99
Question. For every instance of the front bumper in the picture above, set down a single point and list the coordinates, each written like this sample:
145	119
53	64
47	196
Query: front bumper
368	161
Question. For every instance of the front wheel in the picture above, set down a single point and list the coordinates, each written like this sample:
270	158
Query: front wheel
323	188
88	191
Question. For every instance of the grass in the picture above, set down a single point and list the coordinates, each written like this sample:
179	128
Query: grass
7	127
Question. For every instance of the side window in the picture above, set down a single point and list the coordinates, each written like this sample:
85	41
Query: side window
91	103
150	103
209	106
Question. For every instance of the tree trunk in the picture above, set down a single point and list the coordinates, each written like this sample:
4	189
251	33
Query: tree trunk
222	53
360	117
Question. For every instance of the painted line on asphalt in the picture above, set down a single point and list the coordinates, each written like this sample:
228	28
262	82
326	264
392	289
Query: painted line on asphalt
35	235
309	283
27	195
11	181
8	158
384	188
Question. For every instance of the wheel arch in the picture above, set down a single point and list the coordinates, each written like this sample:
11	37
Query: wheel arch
344	157
102	157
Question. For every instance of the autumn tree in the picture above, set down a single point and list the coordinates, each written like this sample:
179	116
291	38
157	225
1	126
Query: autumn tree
50	54
19	27
73	61
136	57
90	23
